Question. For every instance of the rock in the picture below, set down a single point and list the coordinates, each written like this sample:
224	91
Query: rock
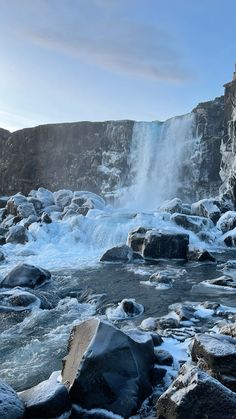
11	406
45	218
227	221
24	275
206	208
8	222
193	395
228	329
16	300
52	208
26	210
126	309
200	255
2	240
149	324
136	238
168	323
109	365
14	202
174	205
164	277
162	244
63	197
38	205
157	339
45	196
70	213
3	201
130	307
158	374
2	257
218	352
17	234
184	311
30	220
223	281
192	222
49	399
163	357
120	253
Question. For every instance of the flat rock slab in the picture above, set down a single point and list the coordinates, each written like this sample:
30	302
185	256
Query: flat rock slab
218	352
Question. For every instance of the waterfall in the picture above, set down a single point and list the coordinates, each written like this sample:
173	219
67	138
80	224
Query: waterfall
160	151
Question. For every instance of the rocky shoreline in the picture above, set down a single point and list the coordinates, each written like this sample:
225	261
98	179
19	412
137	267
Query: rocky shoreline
181	365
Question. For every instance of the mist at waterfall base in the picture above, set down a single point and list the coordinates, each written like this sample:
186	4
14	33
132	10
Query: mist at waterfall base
71	247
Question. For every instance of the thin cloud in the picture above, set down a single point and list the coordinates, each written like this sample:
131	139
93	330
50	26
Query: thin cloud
92	34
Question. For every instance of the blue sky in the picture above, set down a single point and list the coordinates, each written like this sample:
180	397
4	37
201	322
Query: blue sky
73	60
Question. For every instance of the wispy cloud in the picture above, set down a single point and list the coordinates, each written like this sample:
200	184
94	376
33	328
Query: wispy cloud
97	32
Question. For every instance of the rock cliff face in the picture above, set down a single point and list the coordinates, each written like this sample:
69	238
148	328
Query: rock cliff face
96	156
83	155
228	144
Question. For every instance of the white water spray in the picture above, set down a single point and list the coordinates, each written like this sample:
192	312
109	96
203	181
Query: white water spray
159	152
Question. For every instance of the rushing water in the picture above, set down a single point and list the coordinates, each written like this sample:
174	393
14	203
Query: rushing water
159	151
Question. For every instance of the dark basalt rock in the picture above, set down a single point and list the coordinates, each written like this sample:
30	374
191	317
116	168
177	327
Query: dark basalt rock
24	275
120	253
17	234
206	208
136	238
218	352
163	357
46	400
2	257
200	255
14	202
11	406
191	222
165	245
109	365
193	395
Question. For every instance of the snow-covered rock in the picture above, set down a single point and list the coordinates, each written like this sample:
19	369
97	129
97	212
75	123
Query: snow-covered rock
227	221
17	234
206	208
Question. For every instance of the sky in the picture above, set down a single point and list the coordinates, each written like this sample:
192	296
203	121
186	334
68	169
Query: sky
74	60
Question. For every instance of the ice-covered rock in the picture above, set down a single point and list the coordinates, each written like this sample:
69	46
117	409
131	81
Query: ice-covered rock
174	205
206	208
163	357
164	244
45	218
18	300
17	234
45	196
2	257
227	221
11	406
192	222
193	395
38	205
218	352
63	197
107	368
230	238
49	399
149	324
24	275
14	202
126	309
26	210
120	253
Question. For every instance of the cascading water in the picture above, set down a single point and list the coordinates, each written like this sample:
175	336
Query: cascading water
159	152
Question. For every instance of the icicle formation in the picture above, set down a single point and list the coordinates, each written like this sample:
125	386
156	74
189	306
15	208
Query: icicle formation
159	152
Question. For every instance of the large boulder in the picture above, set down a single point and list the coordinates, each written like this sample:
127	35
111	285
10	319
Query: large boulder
49	399
24	275
206	208
230	238
200	255
227	221
106	368
17	234
196	395
218	352
11	406
174	205
163	244
120	253
192	222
